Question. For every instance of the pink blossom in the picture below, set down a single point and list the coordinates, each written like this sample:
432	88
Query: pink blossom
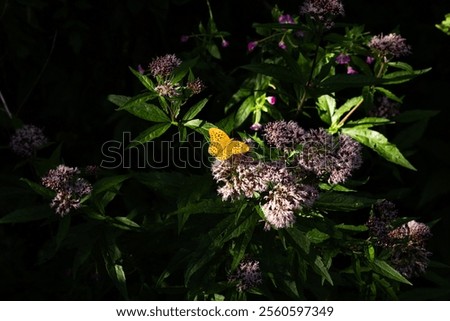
351	71
271	100
251	45
342	59
286	18
370	60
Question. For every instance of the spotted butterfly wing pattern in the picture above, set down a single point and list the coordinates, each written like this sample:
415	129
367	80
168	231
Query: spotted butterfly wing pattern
223	147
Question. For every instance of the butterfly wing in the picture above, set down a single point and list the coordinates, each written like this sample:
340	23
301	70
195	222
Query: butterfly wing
222	147
219	141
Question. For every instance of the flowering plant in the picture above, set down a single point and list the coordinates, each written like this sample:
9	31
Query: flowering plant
296	212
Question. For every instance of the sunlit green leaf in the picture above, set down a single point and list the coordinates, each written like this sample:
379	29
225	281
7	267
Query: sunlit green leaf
379	143
151	133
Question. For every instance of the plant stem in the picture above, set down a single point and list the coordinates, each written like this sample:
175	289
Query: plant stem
5	105
341	123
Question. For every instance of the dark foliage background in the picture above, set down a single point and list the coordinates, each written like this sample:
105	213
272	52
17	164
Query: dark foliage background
60	59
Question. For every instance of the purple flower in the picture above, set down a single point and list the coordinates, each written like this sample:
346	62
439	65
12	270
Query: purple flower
167	89
385	108
351	71
27	140
248	275
163	66
196	86
184	38
252	45
342	59
225	43
329	156
370	60
323	10
286	18
69	188
140	69
256	127
283	135
271	100
391	45
282	45
299	34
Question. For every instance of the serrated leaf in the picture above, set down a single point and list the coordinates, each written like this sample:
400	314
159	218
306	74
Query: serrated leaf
398	77
150	134
383	268
139	107
368	122
194	110
389	94
347	106
27	214
379	143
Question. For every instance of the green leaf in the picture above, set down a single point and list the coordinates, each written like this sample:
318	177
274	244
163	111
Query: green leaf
398	77
139	107
124	223
383	268
183	69
244	111
299	239
368	122
200	126
150	134
39	189
326	106
28	214
213	50
315	236
194	110
347	106
143	79
322	270
276	71
389	94
340	81
112	255
118	100
108	183
379	143
354	228
346	202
